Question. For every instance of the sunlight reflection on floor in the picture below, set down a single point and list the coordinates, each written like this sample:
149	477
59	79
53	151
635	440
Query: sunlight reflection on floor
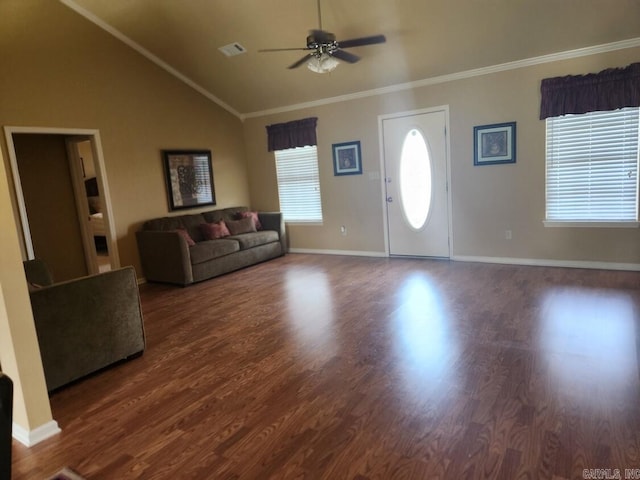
589	339
422	336
310	311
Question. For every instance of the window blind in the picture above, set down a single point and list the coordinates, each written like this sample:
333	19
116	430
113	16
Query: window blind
592	166
299	184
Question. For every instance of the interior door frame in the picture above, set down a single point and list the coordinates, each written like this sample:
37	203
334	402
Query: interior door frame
101	175
383	176
82	207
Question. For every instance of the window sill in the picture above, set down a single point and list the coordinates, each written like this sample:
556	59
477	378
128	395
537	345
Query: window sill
589	224
304	224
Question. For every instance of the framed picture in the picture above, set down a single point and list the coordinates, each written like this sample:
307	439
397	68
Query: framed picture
347	159
494	144
189	178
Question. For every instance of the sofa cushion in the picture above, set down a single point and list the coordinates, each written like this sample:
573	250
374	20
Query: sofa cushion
245	225
188	222
213	216
163	224
192	224
210	249
250	240
233	213
253	215
213	231
184	234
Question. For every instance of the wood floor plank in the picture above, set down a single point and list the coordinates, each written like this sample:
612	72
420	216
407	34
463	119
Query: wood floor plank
334	367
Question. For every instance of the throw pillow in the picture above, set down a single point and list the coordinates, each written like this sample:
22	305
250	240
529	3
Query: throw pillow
184	234
253	215
212	231
245	225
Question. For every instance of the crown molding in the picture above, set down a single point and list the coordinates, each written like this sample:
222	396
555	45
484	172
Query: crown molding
503	67
146	53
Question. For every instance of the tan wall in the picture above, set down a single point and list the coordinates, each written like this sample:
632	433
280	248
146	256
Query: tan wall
61	71
18	341
45	178
352	200
486	200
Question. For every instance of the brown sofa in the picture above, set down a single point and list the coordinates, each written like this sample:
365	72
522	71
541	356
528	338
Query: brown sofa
167	257
85	324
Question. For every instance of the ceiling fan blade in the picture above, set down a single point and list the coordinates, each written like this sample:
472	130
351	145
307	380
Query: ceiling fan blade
345	56
303	60
358	42
282	49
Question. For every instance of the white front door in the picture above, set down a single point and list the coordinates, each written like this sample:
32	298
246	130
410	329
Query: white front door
415	161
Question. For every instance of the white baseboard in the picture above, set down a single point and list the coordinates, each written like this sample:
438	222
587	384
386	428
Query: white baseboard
353	253
534	262
31	437
541	262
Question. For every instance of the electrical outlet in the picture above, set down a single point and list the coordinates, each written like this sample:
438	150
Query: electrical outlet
507	234
343	230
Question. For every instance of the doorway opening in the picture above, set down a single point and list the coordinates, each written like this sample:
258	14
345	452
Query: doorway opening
63	199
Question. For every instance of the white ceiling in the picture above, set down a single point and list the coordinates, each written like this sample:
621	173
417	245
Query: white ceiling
425	39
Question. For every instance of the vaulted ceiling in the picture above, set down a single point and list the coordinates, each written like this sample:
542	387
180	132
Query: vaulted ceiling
425	39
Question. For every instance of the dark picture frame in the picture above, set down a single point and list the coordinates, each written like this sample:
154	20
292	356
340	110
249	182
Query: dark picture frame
493	144
347	158
189	177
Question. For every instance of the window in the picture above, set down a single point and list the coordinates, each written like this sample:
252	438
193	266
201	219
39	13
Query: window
299	184
415	179
592	167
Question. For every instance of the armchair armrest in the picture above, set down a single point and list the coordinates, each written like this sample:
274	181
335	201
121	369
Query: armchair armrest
274	221
164	256
37	272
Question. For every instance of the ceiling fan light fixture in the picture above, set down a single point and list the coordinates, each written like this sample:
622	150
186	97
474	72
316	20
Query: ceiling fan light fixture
323	63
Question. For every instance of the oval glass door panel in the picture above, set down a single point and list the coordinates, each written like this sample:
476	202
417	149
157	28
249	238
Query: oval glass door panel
415	179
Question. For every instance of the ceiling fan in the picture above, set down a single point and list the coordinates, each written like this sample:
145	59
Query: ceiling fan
323	49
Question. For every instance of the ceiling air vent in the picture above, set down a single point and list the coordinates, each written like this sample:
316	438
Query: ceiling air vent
232	49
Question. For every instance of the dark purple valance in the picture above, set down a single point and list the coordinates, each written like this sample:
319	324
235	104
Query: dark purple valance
297	133
607	90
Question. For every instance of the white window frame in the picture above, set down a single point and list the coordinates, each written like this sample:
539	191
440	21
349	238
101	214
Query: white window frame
572	142
299	185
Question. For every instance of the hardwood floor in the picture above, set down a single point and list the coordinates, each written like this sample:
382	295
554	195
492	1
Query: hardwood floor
360	368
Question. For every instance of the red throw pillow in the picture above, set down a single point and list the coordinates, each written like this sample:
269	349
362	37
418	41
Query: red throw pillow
253	215
186	236
212	231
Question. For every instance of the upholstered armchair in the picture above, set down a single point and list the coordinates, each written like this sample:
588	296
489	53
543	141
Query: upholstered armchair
84	324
